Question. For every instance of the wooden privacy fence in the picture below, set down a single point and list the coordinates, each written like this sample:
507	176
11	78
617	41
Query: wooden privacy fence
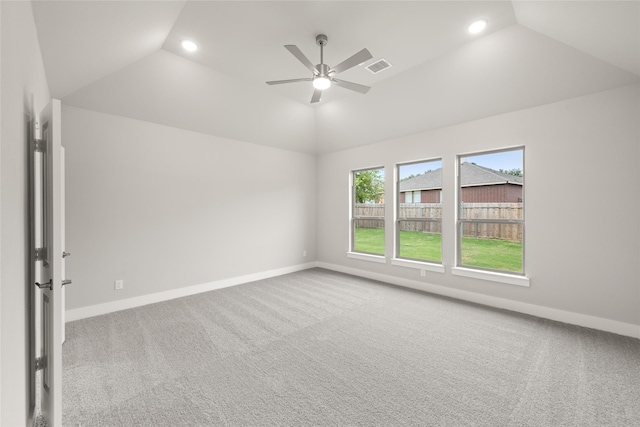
369	210
421	210
480	211
477	211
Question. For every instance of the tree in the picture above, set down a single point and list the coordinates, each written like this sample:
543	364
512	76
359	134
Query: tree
409	177
514	171
414	175
369	186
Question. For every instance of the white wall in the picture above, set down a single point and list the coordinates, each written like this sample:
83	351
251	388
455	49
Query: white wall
582	203
163	208
22	75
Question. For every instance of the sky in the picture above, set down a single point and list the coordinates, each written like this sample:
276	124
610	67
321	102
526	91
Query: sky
503	160
419	168
496	161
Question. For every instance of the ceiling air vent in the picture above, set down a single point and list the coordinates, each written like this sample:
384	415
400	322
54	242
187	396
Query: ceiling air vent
378	66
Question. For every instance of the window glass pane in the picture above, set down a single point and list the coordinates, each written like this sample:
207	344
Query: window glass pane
502	252
419	190
491	211
421	240
369	236
368	211
369	186
487	180
421	177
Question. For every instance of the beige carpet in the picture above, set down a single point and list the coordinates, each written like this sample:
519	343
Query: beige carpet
328	349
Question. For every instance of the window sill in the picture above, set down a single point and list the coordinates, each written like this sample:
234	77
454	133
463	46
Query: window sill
510	279
419	265
367	257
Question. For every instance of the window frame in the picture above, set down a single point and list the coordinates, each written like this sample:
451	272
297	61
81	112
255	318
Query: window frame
468	270
405	261
353	217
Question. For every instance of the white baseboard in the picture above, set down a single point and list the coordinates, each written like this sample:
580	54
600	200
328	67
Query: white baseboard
124	304
608	325
578	319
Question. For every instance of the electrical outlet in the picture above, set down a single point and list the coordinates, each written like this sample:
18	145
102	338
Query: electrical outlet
304	253
422	273
118	284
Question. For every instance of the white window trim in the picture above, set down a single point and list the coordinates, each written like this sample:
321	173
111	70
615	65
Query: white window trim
367	257
492	276
418	265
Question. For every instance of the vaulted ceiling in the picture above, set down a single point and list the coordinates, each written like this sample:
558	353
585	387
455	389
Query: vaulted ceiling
124	58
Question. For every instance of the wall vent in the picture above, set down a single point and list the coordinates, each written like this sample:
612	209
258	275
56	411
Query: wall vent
376	67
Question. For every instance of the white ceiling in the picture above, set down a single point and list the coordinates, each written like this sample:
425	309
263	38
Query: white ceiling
124	58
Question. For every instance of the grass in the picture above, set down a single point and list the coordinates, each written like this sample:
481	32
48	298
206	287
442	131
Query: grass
370	240
421	246
493	254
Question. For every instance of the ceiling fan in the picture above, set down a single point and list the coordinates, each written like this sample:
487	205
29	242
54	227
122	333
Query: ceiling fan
322	74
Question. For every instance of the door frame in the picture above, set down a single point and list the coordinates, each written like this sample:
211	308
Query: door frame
45	211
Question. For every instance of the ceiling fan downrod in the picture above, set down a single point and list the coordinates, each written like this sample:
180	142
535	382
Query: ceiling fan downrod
322	68
322	80
321	40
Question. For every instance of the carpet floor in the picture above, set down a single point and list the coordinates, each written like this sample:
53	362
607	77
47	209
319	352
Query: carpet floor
327	349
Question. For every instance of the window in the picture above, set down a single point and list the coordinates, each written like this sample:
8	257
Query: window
411	197
408	197
367	218
419	211
491	211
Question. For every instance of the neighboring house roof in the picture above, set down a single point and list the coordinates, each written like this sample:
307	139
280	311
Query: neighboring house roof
427	181
472	175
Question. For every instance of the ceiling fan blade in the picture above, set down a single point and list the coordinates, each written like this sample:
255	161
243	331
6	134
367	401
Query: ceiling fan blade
316	96
358	58
279	82
351	86
298	54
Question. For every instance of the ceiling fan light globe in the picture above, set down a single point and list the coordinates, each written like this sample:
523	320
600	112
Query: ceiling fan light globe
321	83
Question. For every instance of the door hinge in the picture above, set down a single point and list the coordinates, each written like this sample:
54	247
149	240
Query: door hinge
41	363
41	254
39	145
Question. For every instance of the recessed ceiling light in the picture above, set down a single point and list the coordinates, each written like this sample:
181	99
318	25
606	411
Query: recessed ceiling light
477	26
189	45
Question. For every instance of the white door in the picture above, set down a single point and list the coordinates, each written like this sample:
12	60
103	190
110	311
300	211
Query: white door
46	239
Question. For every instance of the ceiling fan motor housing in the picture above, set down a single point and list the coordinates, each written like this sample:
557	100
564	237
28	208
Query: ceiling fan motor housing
323	70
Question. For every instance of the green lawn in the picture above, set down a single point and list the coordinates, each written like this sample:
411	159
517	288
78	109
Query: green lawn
370	240
492	253
484	253
421	246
